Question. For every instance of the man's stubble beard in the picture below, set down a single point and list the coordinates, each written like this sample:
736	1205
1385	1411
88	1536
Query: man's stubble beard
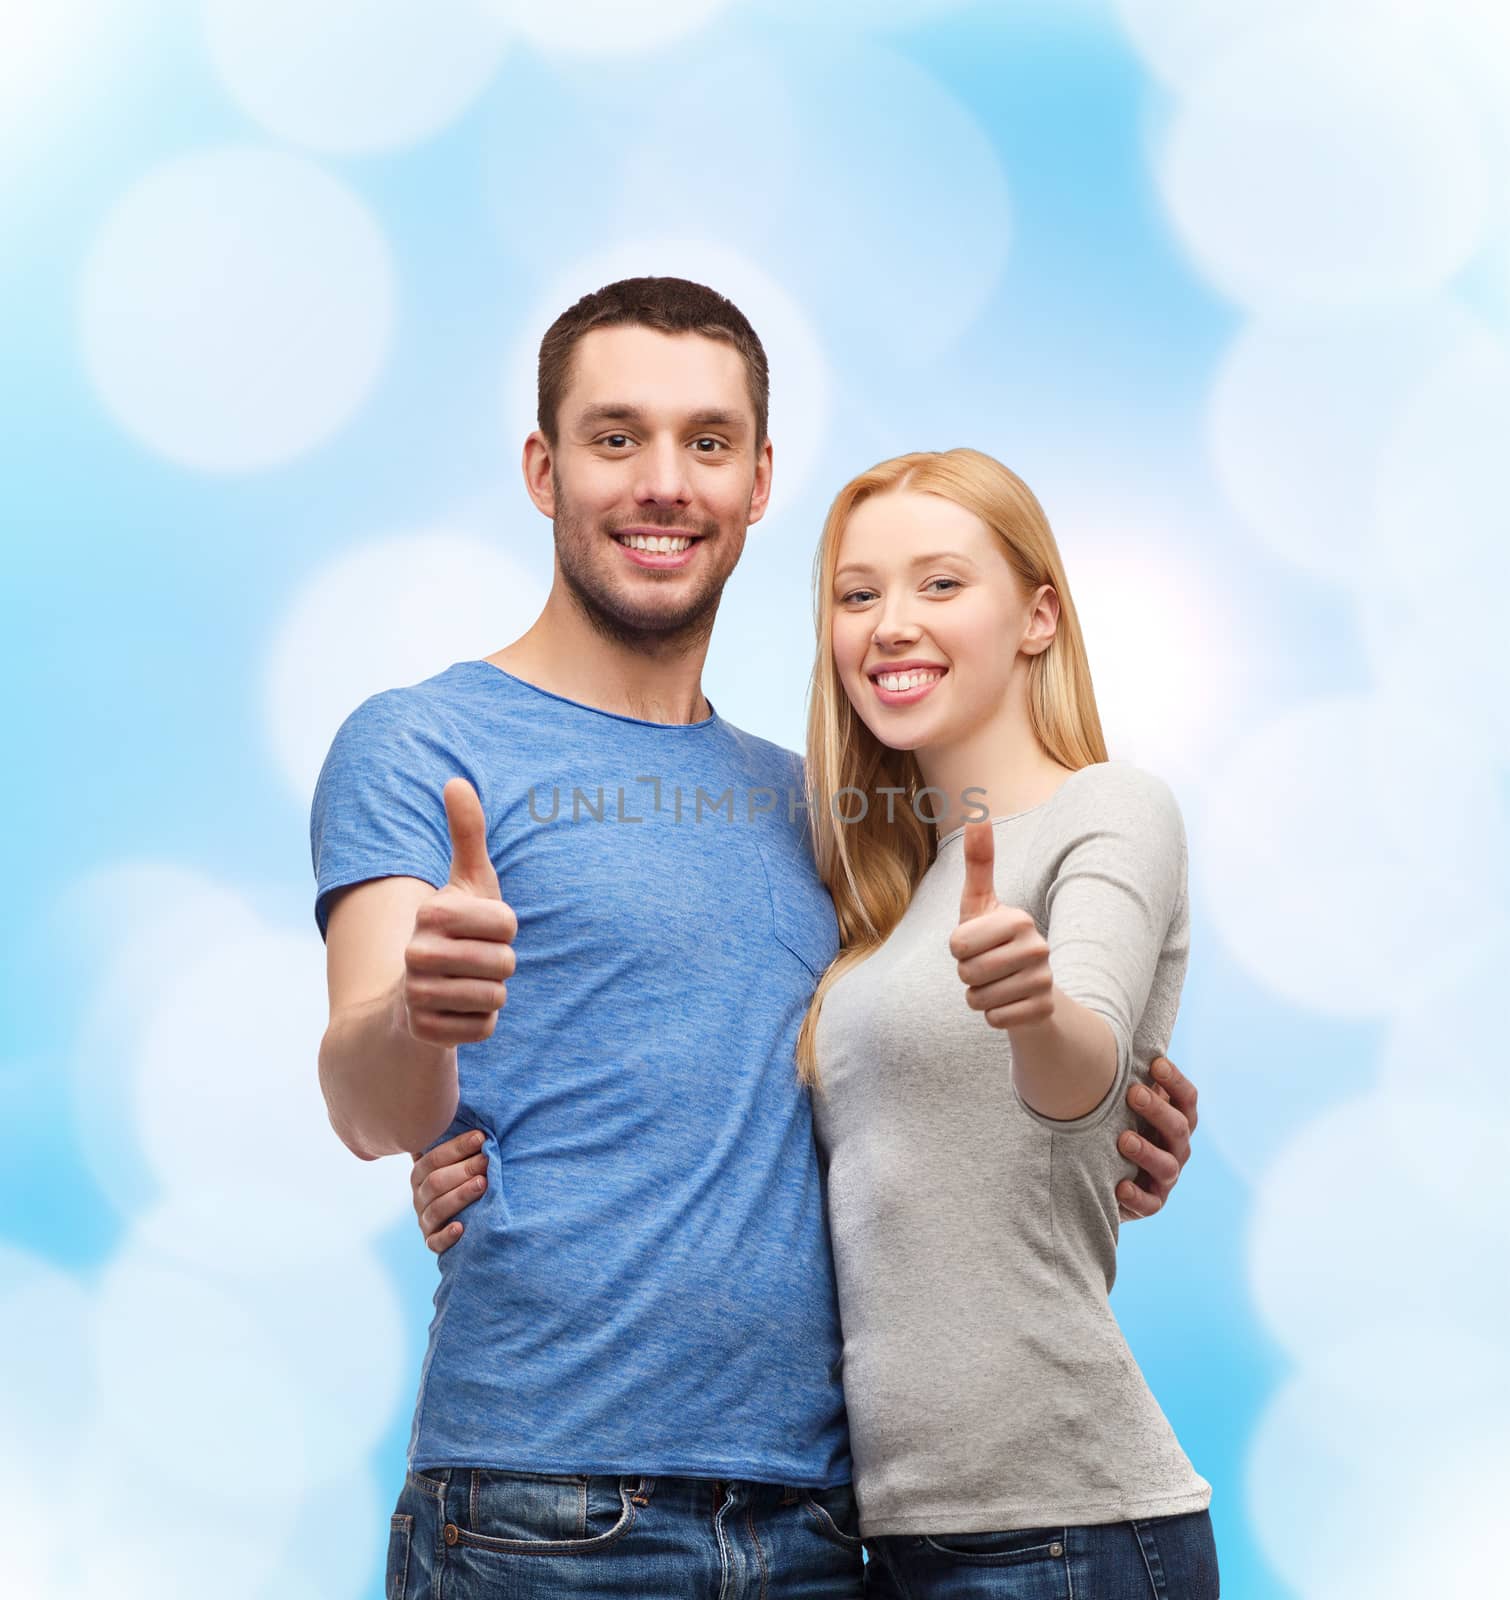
671	634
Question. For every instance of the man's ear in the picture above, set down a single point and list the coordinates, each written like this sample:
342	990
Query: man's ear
760	495
537	473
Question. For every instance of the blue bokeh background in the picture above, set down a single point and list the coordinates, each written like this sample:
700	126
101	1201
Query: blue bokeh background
1228	285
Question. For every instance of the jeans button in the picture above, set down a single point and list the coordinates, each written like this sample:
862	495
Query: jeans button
1056	1549
452	1533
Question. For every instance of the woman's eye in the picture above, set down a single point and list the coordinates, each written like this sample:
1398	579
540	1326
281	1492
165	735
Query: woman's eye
859	595
953	583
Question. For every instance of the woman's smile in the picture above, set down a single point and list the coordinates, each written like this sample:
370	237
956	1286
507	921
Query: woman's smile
907	682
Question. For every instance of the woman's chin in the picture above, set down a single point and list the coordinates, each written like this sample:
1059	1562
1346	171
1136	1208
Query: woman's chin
895	734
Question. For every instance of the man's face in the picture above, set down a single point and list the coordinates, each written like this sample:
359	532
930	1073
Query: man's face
654	478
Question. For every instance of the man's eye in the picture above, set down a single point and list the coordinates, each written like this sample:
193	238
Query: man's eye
615	439
717	444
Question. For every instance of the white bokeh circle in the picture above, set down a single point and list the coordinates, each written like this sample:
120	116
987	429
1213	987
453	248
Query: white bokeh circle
902	254
1469	40
1362	1201
306	1308
337	1547
1433	591
186	1372
1344	844
228	1105
1166	647
230	1519
53	55
1300	419
1269	1054
1450	1034
1324	167
353	75
236	307
621	131
1374	1461
603	27
391	612
801	384
131	923
859	14
35	1568
1180	38
883	248
49	1390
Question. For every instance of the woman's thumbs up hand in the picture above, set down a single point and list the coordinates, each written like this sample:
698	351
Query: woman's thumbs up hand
1003	960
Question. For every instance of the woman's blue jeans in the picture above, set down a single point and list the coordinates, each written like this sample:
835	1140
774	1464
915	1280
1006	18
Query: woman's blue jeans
1162	1558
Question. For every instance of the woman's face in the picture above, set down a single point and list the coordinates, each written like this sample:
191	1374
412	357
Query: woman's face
927	619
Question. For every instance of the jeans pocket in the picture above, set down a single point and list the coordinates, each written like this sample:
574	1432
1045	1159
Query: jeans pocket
1181	1550
835	1514
1008	1548
529	1513
400	1535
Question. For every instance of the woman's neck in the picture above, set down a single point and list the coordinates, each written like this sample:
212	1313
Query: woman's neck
1001	766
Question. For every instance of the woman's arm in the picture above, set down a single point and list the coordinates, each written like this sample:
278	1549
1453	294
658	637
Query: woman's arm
1070	1002
1064	1055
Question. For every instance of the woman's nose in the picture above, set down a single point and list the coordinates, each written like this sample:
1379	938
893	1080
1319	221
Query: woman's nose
894	630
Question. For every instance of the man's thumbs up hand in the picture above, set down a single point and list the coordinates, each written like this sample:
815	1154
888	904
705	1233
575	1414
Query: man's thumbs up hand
471	866
1003	959
461	954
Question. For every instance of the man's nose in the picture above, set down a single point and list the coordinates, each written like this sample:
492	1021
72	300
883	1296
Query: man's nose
662	478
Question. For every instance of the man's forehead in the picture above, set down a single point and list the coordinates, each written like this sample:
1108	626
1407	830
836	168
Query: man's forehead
654	372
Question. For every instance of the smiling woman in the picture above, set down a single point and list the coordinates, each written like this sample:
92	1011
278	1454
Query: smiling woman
978	1048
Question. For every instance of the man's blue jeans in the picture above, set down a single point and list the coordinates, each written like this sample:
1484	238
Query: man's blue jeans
463	1533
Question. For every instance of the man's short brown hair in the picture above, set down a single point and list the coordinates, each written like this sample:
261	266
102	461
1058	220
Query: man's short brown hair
669	305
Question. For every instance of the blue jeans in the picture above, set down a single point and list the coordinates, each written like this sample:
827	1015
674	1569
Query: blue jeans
463	1533
1162	1558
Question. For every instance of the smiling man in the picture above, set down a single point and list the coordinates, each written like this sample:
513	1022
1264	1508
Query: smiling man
585	1012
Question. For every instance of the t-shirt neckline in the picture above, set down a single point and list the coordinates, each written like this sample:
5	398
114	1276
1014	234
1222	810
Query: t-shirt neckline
598	711
955	833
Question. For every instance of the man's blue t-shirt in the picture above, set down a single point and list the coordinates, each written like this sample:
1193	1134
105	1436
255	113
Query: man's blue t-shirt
646	1286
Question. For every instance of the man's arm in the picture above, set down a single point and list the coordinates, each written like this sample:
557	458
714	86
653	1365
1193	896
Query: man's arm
1163	1148
447	1179
385	1090
412	972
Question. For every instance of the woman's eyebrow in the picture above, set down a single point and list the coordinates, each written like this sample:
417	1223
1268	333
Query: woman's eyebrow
917	561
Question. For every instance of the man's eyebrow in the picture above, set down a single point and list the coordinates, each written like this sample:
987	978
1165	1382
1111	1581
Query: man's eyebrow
917	561
596	416
731	421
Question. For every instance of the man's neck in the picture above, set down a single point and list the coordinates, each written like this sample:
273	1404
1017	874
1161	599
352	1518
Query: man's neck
564	654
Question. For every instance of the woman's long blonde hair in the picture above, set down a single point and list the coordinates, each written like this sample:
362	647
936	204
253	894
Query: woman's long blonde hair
873	865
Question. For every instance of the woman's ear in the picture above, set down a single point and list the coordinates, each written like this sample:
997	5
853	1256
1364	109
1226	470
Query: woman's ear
1043	620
